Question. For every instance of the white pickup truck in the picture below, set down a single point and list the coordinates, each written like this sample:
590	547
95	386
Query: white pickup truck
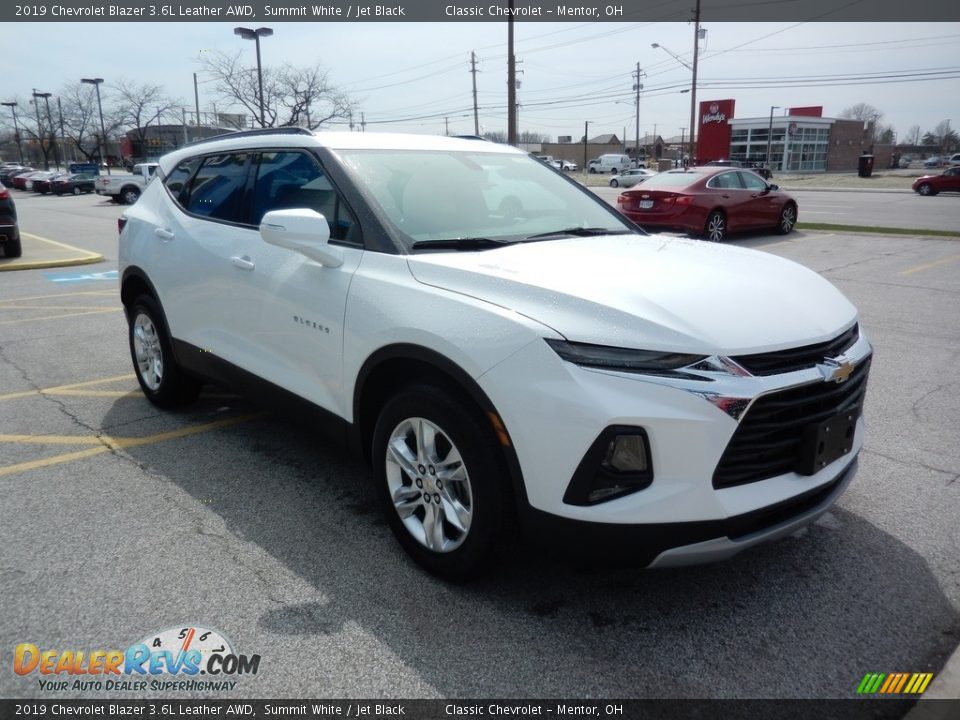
126	188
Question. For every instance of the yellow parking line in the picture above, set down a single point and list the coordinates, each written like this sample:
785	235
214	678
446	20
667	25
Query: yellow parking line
107	443
941	261
62	316
64	388
54	307
85	258
60	295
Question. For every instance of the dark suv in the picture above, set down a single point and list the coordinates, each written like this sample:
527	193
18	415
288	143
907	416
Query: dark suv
9	232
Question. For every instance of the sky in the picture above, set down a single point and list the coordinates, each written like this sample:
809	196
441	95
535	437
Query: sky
414	77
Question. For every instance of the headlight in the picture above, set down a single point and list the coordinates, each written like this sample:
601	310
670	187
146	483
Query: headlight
643	362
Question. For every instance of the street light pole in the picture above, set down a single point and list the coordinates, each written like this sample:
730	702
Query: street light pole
255	35
682	131
102	149
45	96
770	136
16	128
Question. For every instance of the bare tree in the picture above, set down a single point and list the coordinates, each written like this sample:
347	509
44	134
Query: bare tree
942	136
528	136
81	120
38	141
136	106
862	111
497	136
913	135
298	96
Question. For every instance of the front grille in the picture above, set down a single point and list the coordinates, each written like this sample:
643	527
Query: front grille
808	356
767	441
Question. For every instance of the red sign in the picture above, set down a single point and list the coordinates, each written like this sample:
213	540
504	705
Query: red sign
713	136
812	111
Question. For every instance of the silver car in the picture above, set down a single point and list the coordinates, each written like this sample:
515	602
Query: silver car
629	178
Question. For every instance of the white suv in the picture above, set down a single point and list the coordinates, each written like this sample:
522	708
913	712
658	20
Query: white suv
504	349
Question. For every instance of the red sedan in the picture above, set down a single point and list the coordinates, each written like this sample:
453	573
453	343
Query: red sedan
709	202
947	181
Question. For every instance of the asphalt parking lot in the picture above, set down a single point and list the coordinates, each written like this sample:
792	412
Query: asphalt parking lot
118	521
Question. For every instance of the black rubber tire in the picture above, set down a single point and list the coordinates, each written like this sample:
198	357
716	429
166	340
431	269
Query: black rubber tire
715	220
592	171
473	437
926	190
129	196
613	171
614	182
12	248
77	190
788	219
176	387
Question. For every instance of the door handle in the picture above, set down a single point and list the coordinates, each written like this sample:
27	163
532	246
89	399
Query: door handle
244	263
725	196
163	234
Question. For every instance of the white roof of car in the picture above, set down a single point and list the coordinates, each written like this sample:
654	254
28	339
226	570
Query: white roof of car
335	141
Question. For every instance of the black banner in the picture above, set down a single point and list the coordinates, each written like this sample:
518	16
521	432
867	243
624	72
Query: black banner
478	11
853	709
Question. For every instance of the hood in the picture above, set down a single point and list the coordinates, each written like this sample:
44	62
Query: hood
655	293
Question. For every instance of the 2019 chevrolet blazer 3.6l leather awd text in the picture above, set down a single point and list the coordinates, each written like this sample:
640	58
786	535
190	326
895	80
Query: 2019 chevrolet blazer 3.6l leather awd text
507	351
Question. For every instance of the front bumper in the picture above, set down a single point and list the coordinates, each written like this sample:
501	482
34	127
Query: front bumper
661	545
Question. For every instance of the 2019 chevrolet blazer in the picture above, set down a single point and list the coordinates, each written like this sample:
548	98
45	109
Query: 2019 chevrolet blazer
501	346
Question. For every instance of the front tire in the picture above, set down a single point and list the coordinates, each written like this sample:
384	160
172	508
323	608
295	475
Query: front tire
788	219
440	481
715	229
926	190
164	383
614	182
76	190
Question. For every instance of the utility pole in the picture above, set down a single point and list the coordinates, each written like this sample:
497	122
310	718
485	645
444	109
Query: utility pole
36	107
476	115
446	126
196	101
363	122
586	129
511	82
637	86
693	85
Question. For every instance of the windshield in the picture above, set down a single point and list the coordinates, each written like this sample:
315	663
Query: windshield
437	195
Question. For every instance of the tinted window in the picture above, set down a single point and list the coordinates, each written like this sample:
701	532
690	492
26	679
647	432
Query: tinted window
290	179
179	176
217	189
672	179
725	181
752	181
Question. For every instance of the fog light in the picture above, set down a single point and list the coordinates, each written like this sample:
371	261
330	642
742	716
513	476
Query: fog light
626	454
618	463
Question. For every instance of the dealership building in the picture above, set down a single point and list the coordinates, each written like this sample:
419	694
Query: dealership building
801	140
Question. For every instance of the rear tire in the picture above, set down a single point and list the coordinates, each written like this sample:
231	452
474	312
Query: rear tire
164	383
715	229
130	195
440	481
12	248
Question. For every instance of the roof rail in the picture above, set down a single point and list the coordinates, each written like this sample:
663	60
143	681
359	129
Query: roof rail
254	133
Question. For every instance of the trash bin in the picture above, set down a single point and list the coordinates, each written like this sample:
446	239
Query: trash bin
865	166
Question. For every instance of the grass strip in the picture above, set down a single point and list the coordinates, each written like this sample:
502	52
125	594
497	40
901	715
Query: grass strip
878	230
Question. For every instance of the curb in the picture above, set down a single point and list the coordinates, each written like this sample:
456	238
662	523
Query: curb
902	191
79	257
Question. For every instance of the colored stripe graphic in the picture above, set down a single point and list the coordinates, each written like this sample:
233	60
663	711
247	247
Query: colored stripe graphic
894	683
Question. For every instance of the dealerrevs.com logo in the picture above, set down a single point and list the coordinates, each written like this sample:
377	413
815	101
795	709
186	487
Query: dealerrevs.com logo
184	654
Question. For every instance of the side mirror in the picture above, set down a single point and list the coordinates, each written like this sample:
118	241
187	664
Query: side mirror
302	230
772	187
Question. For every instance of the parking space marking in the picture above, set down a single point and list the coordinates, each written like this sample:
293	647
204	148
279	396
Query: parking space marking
106	443
927	266
74	389
85	257
34	302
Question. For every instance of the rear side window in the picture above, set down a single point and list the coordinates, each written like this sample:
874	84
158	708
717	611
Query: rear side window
178	178
725	181
217	189
289	179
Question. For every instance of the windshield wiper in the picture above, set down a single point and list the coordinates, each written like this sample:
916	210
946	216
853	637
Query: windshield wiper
464	243
580	232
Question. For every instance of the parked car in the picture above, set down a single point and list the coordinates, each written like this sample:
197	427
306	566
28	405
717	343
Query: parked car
9	230
947	181
75	184
499	343
610	162
629	178
44	183
709	202
932	162
8	173
565	165
126	188
24	181
954	160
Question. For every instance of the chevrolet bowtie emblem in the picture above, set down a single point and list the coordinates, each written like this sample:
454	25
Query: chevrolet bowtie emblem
836	369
